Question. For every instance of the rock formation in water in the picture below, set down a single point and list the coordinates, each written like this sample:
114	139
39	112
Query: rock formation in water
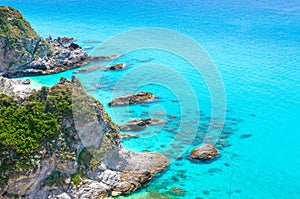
24	52
119	66
206	152
141	124
66	146
134	98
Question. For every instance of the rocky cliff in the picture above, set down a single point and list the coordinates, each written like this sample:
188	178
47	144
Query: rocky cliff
24	52
59	143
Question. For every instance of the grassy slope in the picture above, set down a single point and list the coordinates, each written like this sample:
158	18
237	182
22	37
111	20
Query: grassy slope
13	25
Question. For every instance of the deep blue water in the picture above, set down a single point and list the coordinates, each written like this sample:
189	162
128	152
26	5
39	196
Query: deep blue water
255	46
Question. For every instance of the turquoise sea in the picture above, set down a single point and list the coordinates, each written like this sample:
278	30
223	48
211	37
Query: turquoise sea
256	48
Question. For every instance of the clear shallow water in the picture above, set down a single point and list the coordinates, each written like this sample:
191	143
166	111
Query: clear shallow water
256	49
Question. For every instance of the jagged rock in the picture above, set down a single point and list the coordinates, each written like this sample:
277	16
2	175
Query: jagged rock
66	39
74	46
141	124
205	152
131	99
116	67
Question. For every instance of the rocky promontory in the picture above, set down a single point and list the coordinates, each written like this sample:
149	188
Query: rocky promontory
66	147
24	53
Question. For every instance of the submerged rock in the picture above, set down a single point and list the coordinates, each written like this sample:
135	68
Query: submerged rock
131	99
93	68
205	152
141	124
244	136
177	191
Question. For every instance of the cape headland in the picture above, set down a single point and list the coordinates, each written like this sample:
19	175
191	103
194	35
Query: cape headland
46	151
24	53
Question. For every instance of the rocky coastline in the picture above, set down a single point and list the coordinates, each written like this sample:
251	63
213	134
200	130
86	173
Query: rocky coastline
24	53
85	168
73	158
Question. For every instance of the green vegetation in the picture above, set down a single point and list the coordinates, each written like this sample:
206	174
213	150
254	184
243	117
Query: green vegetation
22	127
77	178
42	126
13	25
30	130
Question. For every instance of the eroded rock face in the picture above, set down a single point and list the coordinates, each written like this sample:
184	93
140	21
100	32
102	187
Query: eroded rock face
115	171
205	152
129	173
131	99
141	124
57	57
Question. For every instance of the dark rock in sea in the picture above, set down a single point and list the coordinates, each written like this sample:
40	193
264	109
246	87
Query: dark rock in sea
226	164
214	170
177	191
74	46
144	60
205	192
141	124
205	152
170	116
66	39
119	66
131	99
244	136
